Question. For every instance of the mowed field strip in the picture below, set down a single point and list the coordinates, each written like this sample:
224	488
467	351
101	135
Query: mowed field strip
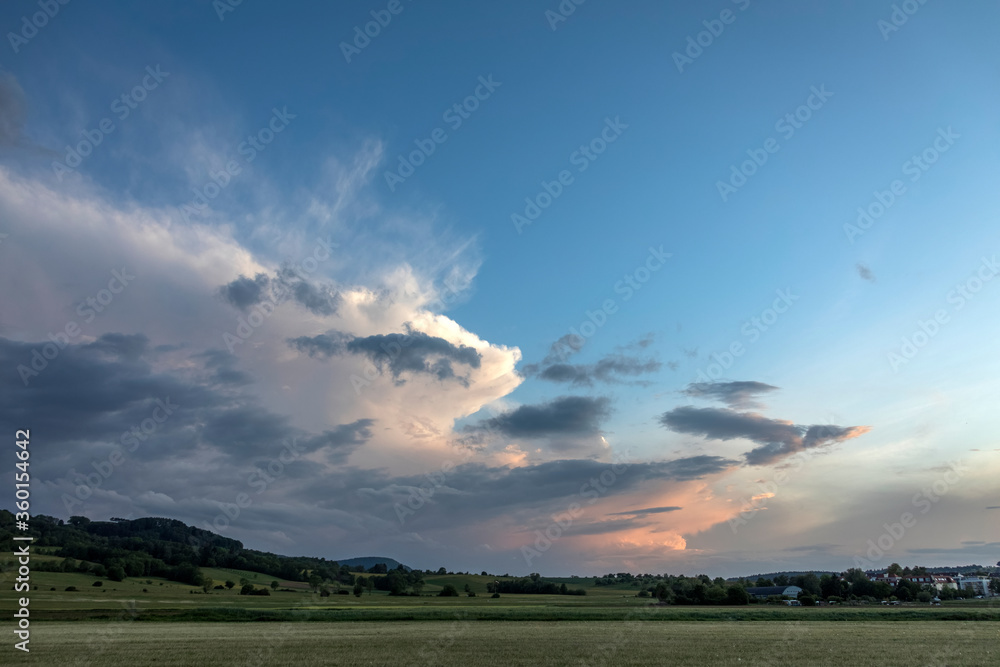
469	644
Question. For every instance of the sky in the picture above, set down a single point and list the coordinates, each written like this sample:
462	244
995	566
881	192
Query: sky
569	288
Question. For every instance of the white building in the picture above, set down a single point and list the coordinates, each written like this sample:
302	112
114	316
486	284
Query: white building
981	585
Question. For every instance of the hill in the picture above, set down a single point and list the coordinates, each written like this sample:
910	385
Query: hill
166	548
368	562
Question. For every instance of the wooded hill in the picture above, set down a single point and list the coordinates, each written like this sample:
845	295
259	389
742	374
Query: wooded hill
158	547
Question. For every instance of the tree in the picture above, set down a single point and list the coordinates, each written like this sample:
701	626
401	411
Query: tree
116	573
448	591
737	595
247	589
358	589
207	586
995	586
230	583
895	569
274	585
314	582
664	593
441	570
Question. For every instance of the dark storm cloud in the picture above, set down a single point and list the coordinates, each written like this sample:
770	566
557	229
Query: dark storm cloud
341	441
648	510
414	352
318	299
778	439
245	293
611	370
120	346
92	398
222	366
603	527
566	415
734	394
984	547
565	373
563	349
865	273
474	492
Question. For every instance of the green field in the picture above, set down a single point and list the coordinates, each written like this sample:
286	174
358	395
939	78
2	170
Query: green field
152	621
155	599
465	643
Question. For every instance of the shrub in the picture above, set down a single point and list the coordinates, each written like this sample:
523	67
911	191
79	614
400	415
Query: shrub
448	591
70	588
97	583
495	595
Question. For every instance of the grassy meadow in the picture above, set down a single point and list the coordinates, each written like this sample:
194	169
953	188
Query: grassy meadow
464	643
152	621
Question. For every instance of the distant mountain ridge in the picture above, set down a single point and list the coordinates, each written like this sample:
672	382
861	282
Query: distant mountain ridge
368	561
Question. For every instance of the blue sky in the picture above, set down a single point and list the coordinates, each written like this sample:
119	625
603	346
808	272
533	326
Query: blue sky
870	98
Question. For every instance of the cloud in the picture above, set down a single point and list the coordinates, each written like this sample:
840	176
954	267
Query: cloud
609	370
475	492
825	547
566	415
993	507
563	349
865	272
92	393
413	352
648	510
12	112
734	394
244	292
778	439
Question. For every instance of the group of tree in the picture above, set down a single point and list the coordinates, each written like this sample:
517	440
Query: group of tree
399	581
532	584
159	547
699	590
